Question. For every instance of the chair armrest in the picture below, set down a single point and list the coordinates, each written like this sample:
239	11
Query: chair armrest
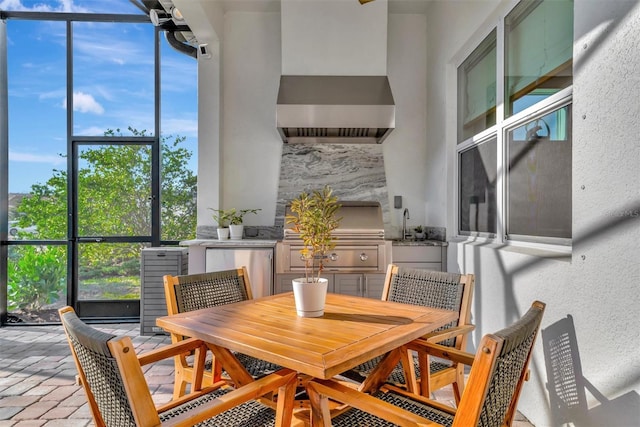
284	381
171	350
442	351
448	333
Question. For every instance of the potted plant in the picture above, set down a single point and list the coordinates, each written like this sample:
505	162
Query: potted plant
223	219
313	216
230	221
236	227
420	234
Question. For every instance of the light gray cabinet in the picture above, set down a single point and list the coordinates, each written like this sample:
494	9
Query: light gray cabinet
417	256
361	285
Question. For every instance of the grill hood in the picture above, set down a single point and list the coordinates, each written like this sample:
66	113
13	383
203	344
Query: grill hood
335	109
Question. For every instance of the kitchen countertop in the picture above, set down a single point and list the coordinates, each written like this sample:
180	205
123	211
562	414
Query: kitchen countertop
262	243
397	242
245	243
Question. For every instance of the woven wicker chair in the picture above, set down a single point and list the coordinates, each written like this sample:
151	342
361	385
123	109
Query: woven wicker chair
490	399
196	291
429	288
118	394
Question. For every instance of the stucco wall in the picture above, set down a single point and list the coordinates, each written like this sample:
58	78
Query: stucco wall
596	286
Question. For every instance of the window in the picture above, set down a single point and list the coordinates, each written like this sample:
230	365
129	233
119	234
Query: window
478	173
538	52
539	178
514	163
477	94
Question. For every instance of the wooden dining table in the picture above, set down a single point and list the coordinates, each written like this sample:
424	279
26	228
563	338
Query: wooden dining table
352	330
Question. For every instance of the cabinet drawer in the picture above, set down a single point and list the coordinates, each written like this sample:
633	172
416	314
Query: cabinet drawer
416	254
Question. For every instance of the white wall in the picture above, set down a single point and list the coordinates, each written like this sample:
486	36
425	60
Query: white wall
598	284
243	170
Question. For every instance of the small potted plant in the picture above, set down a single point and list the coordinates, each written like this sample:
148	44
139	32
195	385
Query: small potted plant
230	221
313	216
420	234
236	227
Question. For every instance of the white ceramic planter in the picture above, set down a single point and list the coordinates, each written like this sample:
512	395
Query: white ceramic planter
236	231
310	297
223	233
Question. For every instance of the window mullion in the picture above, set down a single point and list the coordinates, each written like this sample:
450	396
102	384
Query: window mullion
500	146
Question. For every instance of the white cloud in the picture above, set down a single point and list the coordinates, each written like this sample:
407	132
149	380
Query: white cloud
36	158
84	103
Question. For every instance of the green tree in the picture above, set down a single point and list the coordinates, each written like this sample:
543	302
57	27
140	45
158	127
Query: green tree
114	198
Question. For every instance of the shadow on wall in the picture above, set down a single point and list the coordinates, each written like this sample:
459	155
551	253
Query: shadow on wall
567	387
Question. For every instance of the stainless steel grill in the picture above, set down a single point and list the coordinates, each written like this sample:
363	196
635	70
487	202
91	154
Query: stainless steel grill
360	246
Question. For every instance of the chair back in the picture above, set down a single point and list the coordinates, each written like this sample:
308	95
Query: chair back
498	373
429	288
99	372
196	291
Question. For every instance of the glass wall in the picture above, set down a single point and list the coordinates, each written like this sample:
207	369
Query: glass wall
95	172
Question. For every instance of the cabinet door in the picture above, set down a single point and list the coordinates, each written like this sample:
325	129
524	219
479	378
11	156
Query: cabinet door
373	285
283	282
426	257
348	284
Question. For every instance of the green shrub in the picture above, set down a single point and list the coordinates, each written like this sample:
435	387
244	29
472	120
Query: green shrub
36	276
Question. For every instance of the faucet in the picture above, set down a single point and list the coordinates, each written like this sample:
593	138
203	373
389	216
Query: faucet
405	217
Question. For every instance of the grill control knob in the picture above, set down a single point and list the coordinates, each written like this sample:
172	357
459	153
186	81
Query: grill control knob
364	257
333	256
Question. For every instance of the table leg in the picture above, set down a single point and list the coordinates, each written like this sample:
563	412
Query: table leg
380	373
231	364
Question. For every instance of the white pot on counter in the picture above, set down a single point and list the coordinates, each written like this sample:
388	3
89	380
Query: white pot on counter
310	297
223	233
236	231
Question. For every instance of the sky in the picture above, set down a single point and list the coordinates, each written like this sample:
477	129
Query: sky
113	84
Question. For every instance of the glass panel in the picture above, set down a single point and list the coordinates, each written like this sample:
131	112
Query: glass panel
539	178
538	52
179	144
114	190
109	271
477	90
102	99
37	131
478	172
36	282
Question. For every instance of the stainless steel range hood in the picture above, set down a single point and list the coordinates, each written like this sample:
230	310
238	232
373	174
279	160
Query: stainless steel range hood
335	109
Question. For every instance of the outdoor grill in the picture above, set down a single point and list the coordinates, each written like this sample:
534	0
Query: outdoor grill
360	244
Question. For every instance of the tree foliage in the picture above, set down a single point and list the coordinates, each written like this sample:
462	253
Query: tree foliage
114	199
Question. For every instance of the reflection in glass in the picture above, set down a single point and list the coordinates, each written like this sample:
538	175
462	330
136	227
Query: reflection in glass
109	271
477	90
114	190
36	281
478	172
539	178
538	52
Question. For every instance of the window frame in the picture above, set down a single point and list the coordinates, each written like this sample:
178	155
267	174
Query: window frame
500	131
